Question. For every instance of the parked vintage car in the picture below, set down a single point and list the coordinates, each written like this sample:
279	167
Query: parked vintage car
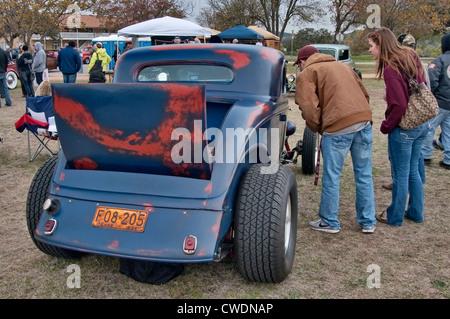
177	161
86	54
340	52
52	59
12	76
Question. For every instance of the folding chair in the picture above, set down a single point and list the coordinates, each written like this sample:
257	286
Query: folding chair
39	122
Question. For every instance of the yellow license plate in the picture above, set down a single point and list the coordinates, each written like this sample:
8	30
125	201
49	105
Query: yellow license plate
122	219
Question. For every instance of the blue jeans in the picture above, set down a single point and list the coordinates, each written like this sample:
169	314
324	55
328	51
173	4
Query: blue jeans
334	151
27	83
442	119
405	147
69	78
5	89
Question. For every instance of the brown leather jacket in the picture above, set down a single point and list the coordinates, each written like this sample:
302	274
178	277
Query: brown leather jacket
330	95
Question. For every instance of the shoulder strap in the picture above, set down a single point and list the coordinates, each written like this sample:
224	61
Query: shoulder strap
411	81
98	58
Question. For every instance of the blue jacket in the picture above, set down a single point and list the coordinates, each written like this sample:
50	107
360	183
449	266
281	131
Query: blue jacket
3	61
439	72
69	60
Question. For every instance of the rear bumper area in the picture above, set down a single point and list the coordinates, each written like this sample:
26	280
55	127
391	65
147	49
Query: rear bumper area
162	239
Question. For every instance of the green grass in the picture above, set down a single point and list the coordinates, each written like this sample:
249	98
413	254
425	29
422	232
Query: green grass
362	58
366	68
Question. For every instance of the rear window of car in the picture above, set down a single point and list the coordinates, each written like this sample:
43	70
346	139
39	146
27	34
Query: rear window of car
186	73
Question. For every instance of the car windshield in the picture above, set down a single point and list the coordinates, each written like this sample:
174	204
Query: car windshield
186	73
343	53
331	52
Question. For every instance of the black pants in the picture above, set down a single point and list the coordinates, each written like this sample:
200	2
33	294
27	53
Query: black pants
39	77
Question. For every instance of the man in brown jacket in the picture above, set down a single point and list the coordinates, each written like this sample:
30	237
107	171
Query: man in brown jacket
335	103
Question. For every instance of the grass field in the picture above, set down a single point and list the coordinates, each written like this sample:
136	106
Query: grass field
412	261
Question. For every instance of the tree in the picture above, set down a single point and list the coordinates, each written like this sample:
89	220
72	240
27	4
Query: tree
122	13
225	14
273	15
419	17
345	14
23	18
309	36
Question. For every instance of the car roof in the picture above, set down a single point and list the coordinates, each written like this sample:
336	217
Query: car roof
258	70
331	45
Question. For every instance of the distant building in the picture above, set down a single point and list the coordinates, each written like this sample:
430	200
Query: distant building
90	28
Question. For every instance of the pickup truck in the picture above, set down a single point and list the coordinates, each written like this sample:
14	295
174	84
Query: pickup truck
179	160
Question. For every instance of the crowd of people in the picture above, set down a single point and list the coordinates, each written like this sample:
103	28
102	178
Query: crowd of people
334	102
32	63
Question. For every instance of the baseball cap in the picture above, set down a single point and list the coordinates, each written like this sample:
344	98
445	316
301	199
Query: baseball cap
305	53
407	39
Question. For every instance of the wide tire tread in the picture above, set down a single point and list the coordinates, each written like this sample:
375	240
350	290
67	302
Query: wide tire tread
259	225
37	194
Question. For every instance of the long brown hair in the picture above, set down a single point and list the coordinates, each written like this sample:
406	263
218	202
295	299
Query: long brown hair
392	53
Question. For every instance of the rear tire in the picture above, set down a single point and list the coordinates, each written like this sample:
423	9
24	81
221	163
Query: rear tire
310	151
37	194
266	225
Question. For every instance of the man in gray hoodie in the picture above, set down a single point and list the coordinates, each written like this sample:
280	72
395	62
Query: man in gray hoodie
39	62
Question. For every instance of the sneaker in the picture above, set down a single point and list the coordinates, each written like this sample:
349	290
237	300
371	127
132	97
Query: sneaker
427	161
368	229
442	164
322	226
438	145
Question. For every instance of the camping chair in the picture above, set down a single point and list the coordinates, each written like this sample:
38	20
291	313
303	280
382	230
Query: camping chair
39	122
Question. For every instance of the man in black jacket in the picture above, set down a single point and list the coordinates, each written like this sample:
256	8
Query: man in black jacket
3	84
439	72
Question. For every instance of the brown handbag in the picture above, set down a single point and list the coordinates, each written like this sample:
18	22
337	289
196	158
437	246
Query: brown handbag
422	105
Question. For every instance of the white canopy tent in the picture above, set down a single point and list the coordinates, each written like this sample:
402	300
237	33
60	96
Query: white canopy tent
166	26
117	38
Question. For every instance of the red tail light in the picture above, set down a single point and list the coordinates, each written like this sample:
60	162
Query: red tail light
50	226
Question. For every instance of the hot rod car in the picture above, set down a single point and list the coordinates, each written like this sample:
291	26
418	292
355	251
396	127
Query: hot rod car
178	160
